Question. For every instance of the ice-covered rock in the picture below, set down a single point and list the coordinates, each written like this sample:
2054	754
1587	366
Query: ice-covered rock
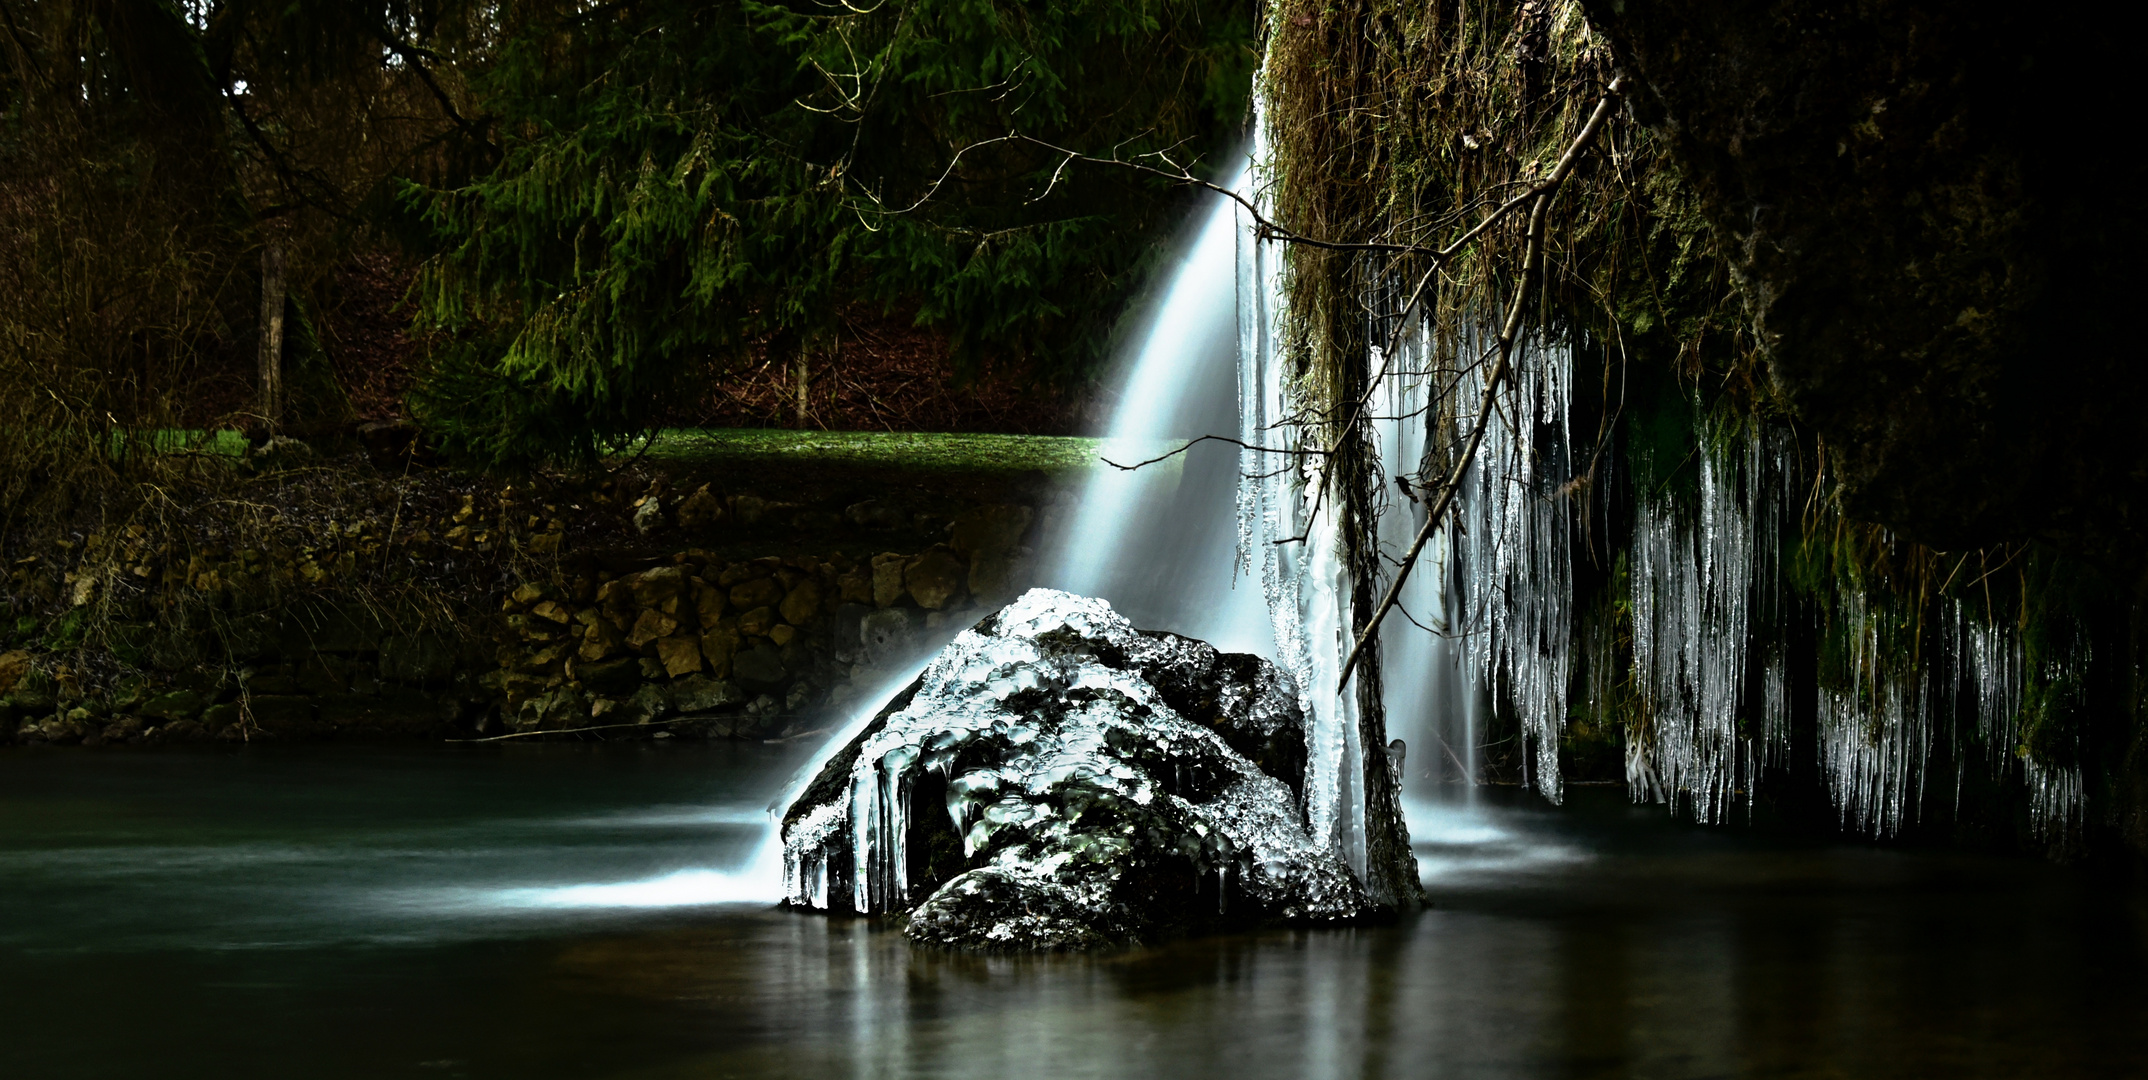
1059	779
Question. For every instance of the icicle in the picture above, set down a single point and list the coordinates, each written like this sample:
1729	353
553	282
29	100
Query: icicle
1304	581
2056	794
1692	584
1706	586
1995	665
2055	801
1514	526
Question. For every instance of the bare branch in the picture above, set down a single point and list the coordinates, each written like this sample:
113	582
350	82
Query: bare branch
414	58
947	172
1532	255
1262	226
1206	438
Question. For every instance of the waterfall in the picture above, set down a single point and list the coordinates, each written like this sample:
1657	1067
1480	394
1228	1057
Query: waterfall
1186	541
1190	545
1428	692
1288	541
1239	542
1156	541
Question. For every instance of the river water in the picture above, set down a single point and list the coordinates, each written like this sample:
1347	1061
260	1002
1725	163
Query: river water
558	911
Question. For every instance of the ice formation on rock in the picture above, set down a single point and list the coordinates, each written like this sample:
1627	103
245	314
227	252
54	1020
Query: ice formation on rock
1289	541
1699	580
1512	549
1056	778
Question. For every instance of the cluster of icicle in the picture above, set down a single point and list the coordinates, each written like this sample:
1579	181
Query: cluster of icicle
1499	581
1695	580
1878	735
1288	538
1512	528
2056	798
1703	581
1496	588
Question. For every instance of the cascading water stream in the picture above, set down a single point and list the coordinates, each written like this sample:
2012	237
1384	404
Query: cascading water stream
1156	541
1288	540
1430	703
1239	545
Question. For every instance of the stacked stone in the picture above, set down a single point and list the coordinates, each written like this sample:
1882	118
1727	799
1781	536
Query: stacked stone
300	674
132	574
711	646
743	645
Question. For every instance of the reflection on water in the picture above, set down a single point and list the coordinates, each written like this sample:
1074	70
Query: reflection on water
299	847
1465	842
569	912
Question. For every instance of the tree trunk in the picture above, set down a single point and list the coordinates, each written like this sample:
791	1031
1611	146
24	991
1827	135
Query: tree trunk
272	296
1391	881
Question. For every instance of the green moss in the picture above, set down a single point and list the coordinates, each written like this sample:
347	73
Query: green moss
66	631
909	451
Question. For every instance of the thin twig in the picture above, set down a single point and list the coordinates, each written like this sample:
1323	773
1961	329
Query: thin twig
1440	260
1264	228
414	57
579	730
1394	341
1205	438
1467	776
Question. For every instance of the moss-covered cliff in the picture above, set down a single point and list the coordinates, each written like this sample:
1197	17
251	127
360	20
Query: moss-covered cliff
1929	218
1845	280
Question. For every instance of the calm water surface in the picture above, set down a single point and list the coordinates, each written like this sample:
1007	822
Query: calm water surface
577	912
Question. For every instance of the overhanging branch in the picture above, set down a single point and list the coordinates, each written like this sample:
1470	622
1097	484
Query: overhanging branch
1532	255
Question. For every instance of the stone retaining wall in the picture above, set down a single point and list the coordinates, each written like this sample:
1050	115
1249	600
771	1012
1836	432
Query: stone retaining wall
628	641
750	648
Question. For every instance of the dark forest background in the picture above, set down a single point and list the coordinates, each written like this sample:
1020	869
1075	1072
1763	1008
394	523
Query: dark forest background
539	229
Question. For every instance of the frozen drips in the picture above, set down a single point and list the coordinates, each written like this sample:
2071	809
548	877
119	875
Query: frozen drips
1288	542
1696	576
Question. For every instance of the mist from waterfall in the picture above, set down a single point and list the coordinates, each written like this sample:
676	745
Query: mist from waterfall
1156	541
1187	544
1231	539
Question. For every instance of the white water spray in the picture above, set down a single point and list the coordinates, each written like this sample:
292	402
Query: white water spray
1156	541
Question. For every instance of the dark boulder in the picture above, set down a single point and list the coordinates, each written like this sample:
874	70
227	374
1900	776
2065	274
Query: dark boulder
1058	779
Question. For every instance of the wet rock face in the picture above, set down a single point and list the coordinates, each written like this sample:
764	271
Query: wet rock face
1058	779
1922	204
